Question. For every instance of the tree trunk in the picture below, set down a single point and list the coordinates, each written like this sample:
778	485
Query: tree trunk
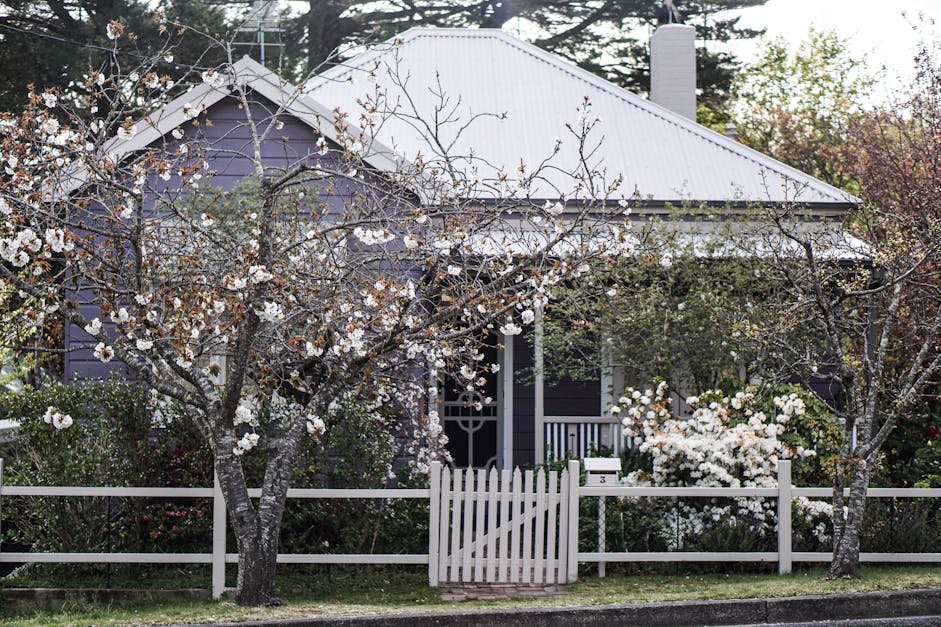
257	536
258	555
847	525
258	529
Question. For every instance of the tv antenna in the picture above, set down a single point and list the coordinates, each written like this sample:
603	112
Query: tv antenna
263	25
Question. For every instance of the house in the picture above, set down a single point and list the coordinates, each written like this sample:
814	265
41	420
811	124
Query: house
520	99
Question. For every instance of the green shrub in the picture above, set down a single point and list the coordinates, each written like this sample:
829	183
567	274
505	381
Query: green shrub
113	441
110	442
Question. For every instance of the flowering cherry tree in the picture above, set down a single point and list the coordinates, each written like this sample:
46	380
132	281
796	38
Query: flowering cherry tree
261	300
860	317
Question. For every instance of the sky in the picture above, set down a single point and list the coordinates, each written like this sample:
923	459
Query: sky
876	28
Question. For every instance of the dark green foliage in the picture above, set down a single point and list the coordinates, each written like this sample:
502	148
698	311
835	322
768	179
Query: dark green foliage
818	429
359	453
601	37
913	451
110	443
686	322
64	39
902	526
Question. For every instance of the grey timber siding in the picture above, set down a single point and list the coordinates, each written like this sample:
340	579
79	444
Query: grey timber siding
230	139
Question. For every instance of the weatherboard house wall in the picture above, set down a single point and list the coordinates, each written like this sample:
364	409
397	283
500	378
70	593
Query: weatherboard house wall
230	141
665	158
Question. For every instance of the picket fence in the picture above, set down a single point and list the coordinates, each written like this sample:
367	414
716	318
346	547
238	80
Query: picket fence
484	527
504	529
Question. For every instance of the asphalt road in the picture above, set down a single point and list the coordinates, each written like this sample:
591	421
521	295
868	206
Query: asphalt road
912	621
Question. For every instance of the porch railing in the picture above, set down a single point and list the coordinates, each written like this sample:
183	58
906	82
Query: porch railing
578	436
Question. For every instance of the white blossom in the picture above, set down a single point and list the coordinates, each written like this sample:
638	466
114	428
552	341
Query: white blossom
121	316
315	425
259	274
554	209
214	79
372	237
50	126
272	312
246	443
55	238
103	352
244	414
127	131
57	418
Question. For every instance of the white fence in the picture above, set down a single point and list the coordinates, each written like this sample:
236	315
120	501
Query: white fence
483	533
218	557
784	493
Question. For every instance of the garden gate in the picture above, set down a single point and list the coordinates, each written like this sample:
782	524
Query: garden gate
494	527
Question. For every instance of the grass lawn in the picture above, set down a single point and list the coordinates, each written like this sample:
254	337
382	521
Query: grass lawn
312	592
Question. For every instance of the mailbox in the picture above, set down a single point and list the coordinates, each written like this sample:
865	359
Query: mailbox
601	471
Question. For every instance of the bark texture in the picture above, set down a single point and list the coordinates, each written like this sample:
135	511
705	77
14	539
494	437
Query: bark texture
258	528
848	515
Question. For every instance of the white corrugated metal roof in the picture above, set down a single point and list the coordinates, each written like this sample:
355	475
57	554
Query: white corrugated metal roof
662	156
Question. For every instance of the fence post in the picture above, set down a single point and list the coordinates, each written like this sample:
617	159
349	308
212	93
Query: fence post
434	517
218	539
1	502
602	527
784	516
572	543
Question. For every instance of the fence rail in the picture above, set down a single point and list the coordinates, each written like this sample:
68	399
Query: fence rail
217	557
486	542
785	493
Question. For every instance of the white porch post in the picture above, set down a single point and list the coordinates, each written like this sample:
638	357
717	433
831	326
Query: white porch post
507	367
607	391
538	388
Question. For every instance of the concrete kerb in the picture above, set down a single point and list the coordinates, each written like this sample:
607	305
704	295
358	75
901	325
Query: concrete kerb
726	612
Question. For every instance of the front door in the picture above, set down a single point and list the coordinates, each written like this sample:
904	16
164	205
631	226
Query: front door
472	418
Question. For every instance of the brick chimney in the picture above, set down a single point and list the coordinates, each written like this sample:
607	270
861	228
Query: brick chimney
673	68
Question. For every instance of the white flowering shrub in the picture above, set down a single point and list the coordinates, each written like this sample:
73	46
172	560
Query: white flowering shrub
731	440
